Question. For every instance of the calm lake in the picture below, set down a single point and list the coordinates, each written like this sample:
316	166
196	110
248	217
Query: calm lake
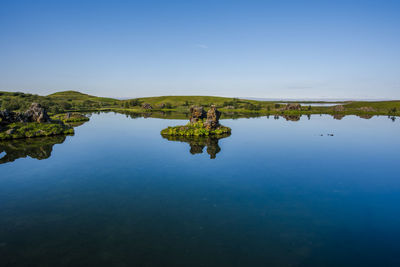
276	192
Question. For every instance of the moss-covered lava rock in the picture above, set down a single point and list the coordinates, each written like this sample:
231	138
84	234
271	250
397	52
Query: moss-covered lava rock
33	129
70	117
195	129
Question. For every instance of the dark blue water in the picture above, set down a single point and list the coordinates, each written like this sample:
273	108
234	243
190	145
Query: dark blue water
276	194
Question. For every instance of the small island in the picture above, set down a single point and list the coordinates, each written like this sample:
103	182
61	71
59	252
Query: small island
34	122
200	124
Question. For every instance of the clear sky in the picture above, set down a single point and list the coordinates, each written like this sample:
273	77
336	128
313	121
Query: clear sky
270	49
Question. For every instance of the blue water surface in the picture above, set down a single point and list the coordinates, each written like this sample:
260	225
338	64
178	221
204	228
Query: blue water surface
279	193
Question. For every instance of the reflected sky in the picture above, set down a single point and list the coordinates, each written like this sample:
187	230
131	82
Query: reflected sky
278	193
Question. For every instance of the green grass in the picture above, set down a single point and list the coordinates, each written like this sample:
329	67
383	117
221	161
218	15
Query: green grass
33	129
195	129
72	101
74	117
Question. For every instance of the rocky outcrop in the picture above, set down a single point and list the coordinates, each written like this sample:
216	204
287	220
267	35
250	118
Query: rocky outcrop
36	113
146	106
212	121
293	106
196	114
7	117
338	108
201	124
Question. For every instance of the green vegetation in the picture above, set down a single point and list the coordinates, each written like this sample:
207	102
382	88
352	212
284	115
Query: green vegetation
195	129
70	117
72	101
56	103
33	129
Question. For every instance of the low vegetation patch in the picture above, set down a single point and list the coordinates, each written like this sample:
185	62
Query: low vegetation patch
33	129
195	129
70	117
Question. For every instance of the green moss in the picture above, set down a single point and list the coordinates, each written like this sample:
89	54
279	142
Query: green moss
74	117
33	129
195	129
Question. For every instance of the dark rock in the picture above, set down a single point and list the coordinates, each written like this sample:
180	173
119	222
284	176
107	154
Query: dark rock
292	117
36	113
196	114
212	121
146	106
293	106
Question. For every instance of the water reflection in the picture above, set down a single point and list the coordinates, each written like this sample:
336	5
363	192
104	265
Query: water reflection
292	117
197	143
38	148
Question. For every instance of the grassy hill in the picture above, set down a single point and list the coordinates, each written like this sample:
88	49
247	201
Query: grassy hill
195	100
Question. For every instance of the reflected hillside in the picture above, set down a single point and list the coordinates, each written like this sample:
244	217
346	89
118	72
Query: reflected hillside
38	148
197	143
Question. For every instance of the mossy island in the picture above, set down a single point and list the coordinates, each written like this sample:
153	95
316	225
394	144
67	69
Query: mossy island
70	117
201	123
34	122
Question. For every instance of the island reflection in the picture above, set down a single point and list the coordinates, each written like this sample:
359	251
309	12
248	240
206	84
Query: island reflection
38	148
197	143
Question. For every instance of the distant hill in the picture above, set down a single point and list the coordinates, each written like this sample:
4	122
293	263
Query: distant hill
76	101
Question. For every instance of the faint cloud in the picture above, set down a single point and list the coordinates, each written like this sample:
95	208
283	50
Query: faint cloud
202	46
299	87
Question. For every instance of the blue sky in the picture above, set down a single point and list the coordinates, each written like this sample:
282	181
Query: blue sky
271	49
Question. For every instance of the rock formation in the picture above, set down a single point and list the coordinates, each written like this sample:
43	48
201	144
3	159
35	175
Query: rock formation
338	108
146	106
293	106
212	121
196	114
36	113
